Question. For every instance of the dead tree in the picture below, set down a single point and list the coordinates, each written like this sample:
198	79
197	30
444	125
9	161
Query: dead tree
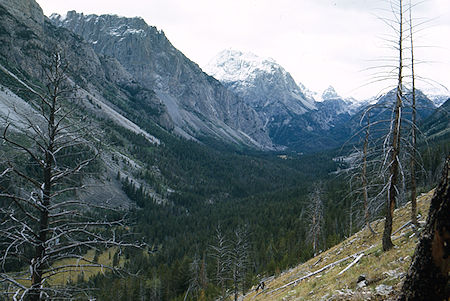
315	216
368	165
42	222
367	183
239	259
364	175
428	275
220	252
413	126
195	281
394	147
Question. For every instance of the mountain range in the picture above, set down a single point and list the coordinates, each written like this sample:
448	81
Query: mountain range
198	105
255	101
130	81
181	150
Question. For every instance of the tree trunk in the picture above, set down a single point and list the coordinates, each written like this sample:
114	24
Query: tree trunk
413	128
47	174
394	164
428	275
235	285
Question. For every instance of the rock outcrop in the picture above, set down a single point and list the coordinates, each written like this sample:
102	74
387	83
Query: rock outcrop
198	104
264	85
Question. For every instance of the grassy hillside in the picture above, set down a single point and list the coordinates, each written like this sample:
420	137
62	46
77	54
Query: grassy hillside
323	277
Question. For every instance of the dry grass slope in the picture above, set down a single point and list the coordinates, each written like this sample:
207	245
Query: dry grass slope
78	272
384	271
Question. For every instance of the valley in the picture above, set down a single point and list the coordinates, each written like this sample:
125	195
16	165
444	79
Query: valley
185	184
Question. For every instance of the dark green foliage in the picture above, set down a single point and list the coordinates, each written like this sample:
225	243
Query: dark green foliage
227	186
204	185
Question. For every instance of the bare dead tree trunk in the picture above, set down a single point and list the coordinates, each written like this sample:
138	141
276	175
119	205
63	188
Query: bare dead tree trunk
413	127
350	226
395	145
220	252
428	275
55	75
42	225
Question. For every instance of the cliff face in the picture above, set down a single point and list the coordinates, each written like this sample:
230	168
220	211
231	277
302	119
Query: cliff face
27	10
197	103
27	38
264	85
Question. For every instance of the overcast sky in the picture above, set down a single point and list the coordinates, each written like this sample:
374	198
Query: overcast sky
320	42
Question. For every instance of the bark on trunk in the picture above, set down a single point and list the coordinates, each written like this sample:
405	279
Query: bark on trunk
428	275
37	262
387	242
413	128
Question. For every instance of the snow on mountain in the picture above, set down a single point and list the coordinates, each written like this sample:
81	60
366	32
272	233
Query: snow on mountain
260	81
263	84
232	65
329	93
341	105
437	95
312	95
439	100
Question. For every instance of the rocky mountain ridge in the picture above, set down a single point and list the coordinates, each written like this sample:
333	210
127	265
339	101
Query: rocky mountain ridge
296	117
290	111
197	104
133	68
263	84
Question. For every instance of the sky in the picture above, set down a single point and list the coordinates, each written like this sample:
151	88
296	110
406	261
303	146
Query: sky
341	43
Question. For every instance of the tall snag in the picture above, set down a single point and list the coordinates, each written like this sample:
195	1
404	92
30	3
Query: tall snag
44	223
395	142
413	127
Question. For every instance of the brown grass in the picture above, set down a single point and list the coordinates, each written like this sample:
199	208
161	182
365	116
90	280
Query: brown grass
84	273
387	268
104	258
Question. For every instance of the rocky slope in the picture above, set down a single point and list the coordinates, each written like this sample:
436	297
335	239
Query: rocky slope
376	275
265	86
438	124
290	113
198	104
104	91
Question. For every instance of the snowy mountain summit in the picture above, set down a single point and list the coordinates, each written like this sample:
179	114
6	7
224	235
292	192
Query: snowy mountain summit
261	82
233	65
330	93
332	100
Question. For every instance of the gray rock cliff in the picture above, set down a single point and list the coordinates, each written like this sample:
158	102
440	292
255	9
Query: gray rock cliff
263	84
198	104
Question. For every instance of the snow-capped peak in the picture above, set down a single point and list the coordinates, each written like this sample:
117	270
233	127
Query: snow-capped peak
233	65
261	82
438	95
330	93
312	95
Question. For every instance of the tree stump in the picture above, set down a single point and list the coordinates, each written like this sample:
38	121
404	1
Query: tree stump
428	275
